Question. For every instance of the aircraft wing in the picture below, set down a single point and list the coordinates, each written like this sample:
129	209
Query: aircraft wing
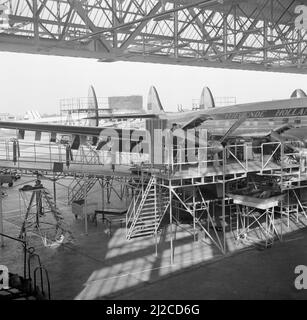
196	121
126	116
248	133
69	130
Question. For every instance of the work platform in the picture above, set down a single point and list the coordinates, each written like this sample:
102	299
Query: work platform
198	191
52	157
72	170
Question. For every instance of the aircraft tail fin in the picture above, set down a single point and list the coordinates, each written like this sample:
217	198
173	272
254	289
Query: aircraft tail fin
153	102
298	93
92	107
206	99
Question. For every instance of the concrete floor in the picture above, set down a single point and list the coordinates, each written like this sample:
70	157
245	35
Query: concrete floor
99	266
253	274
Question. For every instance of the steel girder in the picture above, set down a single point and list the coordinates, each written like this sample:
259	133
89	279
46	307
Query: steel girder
239	34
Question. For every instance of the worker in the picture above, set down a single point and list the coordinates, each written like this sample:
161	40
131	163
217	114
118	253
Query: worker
140	149
69	156
109	153
39	202
16	151
38	184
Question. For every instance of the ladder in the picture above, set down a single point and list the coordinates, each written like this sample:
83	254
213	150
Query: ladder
146	211
36	218
57	215
80	189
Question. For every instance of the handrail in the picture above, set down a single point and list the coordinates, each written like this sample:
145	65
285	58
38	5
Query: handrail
25	250
134	203
278	145
42	290
140	206
40	152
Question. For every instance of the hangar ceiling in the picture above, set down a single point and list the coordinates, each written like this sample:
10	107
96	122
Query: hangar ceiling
234	34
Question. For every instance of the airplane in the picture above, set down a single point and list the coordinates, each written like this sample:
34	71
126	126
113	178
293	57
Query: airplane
229	118
295	107
259	122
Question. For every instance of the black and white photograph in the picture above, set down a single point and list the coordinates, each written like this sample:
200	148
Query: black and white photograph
153	153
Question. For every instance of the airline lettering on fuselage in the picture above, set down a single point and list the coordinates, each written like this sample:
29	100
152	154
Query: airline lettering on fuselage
277	113
253	114
291	112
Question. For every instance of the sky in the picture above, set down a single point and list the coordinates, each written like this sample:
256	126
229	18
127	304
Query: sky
37	82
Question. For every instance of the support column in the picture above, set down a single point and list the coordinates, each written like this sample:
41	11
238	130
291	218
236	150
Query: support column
54	189
223	203
102	194
156	224
85	205
194	212
1	222
171	223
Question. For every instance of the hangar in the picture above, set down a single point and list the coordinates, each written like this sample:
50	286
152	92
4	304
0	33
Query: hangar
255	188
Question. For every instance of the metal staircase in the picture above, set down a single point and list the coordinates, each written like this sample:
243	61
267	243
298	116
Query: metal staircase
52	206
146	211
80	189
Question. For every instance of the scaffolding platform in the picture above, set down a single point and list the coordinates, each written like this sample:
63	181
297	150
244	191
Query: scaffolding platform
88	160
259	203
73	169
256	223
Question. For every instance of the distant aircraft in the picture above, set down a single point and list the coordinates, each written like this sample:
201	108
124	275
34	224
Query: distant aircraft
223	122
295	107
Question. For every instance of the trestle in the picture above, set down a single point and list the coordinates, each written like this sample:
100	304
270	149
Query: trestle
80	187
42	217
256	227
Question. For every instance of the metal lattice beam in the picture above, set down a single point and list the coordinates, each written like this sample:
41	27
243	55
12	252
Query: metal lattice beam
238	34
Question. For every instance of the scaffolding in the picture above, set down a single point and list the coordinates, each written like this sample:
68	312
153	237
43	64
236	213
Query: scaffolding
186	187
73	110
199	195
219	102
